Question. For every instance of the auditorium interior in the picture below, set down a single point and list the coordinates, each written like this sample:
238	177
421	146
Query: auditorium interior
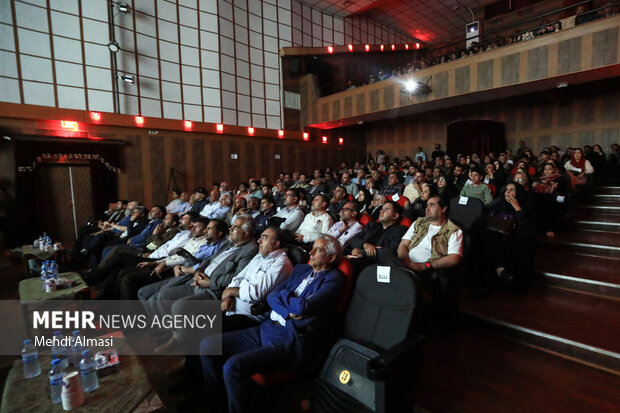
204	112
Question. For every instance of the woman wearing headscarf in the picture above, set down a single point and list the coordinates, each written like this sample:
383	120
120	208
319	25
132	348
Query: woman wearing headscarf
509	237
578	168
549	191
363	198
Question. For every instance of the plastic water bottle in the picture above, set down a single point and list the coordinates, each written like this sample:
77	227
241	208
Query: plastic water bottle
76	349
56	375
53	270
88	372
30	359
48	243
59	351
44	273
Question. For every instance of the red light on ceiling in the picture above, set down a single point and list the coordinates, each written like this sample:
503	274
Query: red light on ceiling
406	47
187	124
139	120
69	124
340	141
324	139
350	47
95	116
381	47
280	134
393	47
306	136
367	48
251	131
219	128
417	45
330	49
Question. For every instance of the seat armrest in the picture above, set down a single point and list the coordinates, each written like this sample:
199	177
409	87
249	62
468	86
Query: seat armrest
380	365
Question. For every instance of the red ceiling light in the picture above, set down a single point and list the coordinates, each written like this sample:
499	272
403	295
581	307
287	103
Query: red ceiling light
251	131
330	49
69	124
188	124
219	128
406	46
350	47
367	48
324	139
417	45
381	47
393	47
140	120
340	141
95	116
306	136
280	134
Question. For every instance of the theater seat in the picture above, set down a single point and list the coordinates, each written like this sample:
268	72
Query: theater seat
373	367
405	222
401	200
365	218
279	377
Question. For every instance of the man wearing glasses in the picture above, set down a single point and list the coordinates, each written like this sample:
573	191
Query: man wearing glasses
291	215
348	226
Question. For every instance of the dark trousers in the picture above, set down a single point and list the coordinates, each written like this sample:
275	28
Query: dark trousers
228	377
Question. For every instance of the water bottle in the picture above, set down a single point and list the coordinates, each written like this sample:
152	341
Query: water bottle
53	270
48	243
76	349
59	350
88	372
56	375
30	359
44	273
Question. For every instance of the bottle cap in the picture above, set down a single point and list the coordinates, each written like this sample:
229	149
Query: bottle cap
86	353
28	341
55	362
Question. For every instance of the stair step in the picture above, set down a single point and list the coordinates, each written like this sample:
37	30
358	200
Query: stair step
600	208
613	190
570	323
580	272
602	243
477	371
592	220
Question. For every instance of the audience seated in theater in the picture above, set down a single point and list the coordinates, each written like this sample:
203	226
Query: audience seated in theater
268	268
351	187
459	177
393	186
200	200
433	247
360	177
207	280
414	188
255	189
578	169
509	242
315	223
384	233
477	189
418	207
339	198
364	199
279	195
307	299
175	195
348	225
291	216
302	182
444	188
549	191
596	156
238	207
266	212
139	240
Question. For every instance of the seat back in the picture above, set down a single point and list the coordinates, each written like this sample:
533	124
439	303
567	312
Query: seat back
365	218
467	215
382	307
296	254
379	317
346	269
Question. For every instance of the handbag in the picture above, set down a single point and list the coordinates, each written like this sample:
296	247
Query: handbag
503	225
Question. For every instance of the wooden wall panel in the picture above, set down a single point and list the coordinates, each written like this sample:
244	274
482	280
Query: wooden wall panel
179	162
216	162
133	168
159	175
197	159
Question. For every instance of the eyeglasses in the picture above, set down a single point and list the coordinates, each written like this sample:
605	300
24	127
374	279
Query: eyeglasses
441	180
518	179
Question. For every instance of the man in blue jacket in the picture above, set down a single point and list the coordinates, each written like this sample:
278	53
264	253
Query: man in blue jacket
307	298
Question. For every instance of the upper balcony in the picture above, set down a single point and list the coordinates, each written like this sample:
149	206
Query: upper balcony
570	56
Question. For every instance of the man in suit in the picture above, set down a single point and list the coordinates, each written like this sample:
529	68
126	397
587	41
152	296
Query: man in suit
306	299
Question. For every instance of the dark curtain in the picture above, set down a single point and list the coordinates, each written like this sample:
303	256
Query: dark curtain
476	136
30	207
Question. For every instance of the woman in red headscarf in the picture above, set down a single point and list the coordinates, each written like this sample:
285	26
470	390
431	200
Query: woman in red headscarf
578	168
549	191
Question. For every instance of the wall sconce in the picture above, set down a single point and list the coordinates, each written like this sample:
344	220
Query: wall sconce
129	79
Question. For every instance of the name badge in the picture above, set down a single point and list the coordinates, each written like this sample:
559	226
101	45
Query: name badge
383	274
395	197
463	200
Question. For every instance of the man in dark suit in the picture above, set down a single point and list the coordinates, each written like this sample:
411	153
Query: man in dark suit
307	298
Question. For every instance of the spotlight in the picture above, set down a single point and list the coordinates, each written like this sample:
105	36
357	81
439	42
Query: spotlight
350	47
139	120
95	116
411	86
219	128
306	136
281	134
114	47
187	124
324	139
367	48
330	49
251	131
129	79
124	8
